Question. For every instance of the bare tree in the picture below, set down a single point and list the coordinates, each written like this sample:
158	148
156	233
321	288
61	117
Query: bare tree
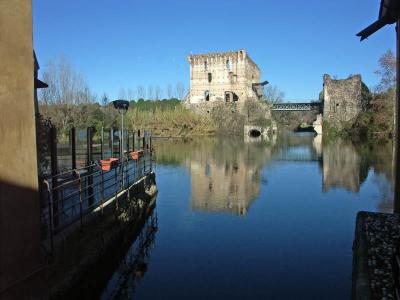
180	90
122	94
141	92
273	94
169	91
68	93
150	92
104	99
130	94
386	71
157	92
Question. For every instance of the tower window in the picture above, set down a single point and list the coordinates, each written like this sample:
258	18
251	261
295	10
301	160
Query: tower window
205	65
228	64
209	77
207	95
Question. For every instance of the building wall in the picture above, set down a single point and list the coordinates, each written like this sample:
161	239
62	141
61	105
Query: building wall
219	74
342	99
19	203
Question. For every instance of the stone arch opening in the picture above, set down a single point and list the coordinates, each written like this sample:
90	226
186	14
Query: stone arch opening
254	132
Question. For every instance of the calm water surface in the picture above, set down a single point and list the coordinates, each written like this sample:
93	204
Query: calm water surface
238	219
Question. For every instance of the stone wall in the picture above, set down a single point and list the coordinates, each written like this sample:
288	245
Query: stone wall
341	99
222	77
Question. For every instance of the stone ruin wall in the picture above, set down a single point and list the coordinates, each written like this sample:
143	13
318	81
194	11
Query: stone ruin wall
342	100
219	74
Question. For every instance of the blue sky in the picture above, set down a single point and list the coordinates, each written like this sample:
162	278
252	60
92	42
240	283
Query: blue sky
122	44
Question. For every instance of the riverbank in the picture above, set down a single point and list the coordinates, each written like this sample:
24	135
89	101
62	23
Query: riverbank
177	122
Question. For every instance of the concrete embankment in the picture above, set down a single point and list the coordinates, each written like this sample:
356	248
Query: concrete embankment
360	261
375	246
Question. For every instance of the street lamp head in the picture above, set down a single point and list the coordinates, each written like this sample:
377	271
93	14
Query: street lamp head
121	104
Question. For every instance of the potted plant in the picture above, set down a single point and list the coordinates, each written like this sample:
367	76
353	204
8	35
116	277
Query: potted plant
109	163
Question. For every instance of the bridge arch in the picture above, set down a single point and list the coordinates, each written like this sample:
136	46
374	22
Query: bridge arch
254	132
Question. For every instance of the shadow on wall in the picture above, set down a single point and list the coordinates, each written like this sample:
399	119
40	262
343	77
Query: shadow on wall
20	240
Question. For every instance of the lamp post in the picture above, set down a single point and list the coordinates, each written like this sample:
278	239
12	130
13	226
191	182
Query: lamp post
122	107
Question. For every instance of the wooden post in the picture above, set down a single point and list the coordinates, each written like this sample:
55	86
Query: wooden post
397	125
73	147
127	141
89	161
151	144
102	143
133	140
53	150
112	141
54	173
120	147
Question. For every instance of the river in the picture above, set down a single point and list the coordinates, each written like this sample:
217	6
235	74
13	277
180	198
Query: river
269	219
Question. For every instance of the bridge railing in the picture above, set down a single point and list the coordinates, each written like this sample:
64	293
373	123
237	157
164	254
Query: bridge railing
306	106
68	197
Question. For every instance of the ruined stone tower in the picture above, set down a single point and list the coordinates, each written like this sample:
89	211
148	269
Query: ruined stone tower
342	100
230	77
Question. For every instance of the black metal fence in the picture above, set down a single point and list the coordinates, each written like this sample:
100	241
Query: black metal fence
80	147
82	187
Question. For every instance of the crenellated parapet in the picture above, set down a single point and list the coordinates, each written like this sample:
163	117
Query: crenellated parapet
234	56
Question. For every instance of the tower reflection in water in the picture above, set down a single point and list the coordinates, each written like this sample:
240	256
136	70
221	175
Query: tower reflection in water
227	180
226	173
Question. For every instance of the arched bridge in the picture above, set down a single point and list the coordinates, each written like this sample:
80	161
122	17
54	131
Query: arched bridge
299	106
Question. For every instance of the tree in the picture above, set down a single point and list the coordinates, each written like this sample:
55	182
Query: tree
130	94
157	92
180	90
141	92
257	113
67	96
386	71
150	92
169	91
104	99
122	94
366	97
273	94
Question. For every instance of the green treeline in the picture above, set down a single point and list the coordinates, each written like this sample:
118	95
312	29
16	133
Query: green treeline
153	105
69	102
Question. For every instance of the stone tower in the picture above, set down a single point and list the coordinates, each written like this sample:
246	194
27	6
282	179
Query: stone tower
341	99
230	77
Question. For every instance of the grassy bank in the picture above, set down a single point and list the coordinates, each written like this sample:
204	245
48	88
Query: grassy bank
175	122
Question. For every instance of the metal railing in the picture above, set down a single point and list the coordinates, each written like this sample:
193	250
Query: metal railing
70	196
297	106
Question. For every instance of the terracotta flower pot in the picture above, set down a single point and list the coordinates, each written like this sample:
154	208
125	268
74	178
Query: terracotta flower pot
109	163
134	155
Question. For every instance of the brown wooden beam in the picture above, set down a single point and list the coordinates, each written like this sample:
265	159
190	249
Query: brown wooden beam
397	125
